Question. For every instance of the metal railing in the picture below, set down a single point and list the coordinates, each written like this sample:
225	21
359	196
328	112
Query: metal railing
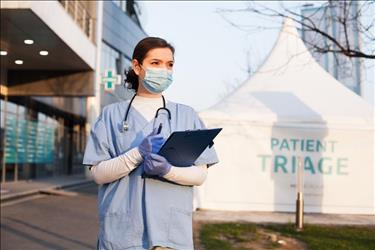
77	10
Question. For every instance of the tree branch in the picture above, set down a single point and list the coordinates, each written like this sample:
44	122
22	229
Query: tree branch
345	18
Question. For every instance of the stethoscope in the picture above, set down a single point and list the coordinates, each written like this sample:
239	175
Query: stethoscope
125	124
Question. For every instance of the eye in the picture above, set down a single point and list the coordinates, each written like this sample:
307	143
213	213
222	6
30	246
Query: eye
154	63
171	65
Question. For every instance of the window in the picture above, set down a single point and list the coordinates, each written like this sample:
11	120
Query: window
126	64
121	4
117	2
110	59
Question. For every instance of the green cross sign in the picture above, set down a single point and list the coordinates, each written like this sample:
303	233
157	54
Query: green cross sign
110	79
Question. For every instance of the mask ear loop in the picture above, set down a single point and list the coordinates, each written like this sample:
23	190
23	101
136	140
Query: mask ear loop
141	66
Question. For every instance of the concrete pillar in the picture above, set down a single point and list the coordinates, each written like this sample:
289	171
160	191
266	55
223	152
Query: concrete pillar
93	103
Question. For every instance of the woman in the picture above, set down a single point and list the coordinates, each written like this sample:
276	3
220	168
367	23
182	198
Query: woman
137	212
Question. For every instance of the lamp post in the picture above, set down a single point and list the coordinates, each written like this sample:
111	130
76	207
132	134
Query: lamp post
299	201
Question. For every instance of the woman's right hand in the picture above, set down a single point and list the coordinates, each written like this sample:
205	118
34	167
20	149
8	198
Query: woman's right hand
151	144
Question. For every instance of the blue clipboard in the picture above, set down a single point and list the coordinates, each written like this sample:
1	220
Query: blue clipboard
183	148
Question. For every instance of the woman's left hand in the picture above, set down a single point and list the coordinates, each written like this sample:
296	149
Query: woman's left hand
156	165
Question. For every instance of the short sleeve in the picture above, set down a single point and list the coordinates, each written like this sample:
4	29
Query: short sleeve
97	148
209	156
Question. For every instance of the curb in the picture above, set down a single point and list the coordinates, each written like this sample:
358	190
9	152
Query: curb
219	216
10	197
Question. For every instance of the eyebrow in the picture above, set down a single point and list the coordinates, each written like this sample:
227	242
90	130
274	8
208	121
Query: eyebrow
159	60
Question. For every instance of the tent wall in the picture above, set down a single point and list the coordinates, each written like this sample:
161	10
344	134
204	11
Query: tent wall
258	165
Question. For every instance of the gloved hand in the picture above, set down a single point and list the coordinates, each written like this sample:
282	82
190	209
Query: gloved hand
151	144
156	165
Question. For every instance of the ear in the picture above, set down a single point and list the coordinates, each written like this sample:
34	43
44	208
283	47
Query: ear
136	67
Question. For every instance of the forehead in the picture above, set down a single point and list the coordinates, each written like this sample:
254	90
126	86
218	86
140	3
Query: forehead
163	54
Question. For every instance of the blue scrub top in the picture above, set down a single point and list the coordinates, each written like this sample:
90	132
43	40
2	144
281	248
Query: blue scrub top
134	212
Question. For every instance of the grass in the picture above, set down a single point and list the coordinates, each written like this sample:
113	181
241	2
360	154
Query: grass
240	236
223	236
331	237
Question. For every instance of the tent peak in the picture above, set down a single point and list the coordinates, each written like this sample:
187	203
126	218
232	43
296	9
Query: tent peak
294	85
289	26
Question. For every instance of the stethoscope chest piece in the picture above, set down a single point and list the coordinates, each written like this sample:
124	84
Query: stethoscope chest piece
125	126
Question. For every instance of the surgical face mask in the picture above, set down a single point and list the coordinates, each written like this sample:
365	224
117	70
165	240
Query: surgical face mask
157	80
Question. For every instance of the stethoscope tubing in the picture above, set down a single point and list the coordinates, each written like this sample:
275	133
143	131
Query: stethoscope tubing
125	123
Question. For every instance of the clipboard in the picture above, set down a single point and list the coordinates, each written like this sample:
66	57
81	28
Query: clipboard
183	148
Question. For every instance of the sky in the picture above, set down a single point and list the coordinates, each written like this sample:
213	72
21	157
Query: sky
212	56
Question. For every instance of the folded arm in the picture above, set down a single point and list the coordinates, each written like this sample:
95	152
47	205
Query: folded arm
194	175
116	168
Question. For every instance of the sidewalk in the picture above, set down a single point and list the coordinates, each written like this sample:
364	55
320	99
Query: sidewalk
19	189
282	217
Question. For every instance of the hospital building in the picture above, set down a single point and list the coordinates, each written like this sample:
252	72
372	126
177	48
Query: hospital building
349	71
58	58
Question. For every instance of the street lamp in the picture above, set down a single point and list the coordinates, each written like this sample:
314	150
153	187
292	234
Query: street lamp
299	201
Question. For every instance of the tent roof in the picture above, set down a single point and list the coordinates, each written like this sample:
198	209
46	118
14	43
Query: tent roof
291	87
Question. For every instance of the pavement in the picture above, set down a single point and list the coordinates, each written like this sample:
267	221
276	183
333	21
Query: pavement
55	185
45	222
56	221
20	189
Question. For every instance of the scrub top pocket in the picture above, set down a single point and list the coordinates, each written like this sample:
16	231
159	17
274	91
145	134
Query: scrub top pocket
180	227
114	235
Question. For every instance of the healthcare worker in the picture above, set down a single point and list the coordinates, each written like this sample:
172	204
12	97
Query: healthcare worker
138	212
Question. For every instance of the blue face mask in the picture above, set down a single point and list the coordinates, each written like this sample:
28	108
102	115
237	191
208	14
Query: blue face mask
157	80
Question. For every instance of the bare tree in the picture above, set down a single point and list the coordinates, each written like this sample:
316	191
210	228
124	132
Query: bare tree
230	87
347	15
248	69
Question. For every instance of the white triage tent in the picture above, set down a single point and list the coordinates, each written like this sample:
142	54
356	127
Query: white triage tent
291	107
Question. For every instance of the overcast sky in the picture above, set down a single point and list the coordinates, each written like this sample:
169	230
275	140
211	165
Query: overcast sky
211	55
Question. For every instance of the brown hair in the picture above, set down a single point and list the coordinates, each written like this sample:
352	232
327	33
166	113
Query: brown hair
140	52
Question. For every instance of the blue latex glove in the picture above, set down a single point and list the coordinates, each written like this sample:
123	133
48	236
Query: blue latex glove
156	165
151	144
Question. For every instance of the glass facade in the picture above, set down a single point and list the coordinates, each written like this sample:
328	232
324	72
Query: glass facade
37	145
120	4
110	58
345	69
130	7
